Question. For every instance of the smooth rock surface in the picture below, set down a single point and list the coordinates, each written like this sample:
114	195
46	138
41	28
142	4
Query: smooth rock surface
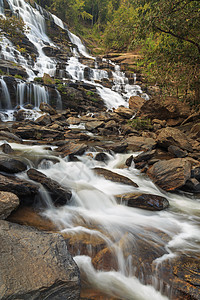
35	265
8	203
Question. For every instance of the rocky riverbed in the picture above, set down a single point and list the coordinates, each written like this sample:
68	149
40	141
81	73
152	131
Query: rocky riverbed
169	155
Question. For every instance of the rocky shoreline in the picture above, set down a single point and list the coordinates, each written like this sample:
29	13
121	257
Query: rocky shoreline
168	153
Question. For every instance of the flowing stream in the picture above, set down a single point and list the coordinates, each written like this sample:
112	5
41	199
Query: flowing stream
94	212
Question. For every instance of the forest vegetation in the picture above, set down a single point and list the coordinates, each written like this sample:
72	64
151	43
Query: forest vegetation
166	34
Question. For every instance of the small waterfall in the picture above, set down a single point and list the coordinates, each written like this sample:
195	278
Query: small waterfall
5	98
59	100
31	93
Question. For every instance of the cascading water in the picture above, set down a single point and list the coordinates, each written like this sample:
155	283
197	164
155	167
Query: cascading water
5	102
94	212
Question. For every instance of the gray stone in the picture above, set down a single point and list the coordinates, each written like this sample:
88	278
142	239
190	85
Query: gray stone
36	265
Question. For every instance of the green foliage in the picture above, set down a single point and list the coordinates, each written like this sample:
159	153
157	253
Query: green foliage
38	79
61	88
140	124
18	76
12	26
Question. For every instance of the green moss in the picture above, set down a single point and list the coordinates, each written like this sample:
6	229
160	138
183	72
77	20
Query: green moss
140	124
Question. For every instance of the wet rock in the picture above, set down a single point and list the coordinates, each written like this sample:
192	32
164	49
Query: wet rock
129	161
136	102
195	173
36	265
45	107
25	190
59	194
11	165
144	156
43	120
83	243
138	143
177	152
118	147
101	156
21	115
170	174
172	136
111	125
144	201
51	51
105	260
72	149
5	135
92	126
8	203
192	185
124	112
12	69
6	148
109	175
182	274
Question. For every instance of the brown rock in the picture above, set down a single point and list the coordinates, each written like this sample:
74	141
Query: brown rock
138	143
8	203
170	174
72	149
136	102
124	112
43	120
59	194
144	201
118	147
172	136
164	109
144	156
8	136
45	107
39	133
109	175
105	260
36	265
6	148
91	126
73	121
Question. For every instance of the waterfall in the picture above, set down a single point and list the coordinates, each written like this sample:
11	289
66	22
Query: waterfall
5	97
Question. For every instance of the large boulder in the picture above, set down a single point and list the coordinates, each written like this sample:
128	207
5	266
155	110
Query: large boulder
8	202
138	143
170	174
59	194
8	136
136	102
172	136
124	112
71	148
36	265
164	109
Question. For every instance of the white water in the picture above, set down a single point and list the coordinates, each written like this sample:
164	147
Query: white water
94	211
5	102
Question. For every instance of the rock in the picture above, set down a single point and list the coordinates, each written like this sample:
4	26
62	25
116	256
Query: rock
164	109
92	126
6	148
144	201
11	165
196	129
25	190
195	173
138	143
177	152
43	120
72	149
192	118
4	135
73	121
21	115
83	243
101	156
109	175
144	156
105	260
51	51
36	265
124	112
136	102
129	161
192	185
170	174
118	147
39	133
111	125
182	274
59	194
8	203
45	107
172	136
12	69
